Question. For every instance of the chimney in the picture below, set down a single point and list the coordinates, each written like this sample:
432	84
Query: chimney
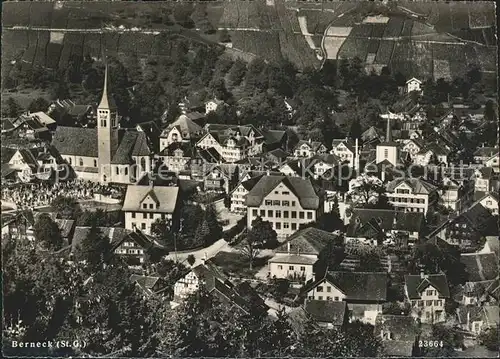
422	274
388	135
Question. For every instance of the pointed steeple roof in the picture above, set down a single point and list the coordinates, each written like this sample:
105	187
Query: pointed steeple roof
107	102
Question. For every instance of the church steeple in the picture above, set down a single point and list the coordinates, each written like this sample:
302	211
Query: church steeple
388	135
106	101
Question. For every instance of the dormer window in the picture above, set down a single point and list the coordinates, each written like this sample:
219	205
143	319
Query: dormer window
151	206
145	206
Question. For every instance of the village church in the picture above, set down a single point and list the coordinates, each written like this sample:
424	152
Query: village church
107	153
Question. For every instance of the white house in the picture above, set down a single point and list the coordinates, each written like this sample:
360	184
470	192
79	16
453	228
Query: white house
489	201
295	259
183	129
212	105
411	194
308	149
143	205
427	295
413	84
286	202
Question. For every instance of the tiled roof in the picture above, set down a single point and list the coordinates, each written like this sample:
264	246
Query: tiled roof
76	141
167	197
486	172
250	183
480	266
418	185
273	136
133	143
494	289
327	158
42	118
314	145
485	152
145	282
415	285
115	235
370	134
358	286
186	148
188	128
401	327
292	259
307	241
481	219
302	188
327	311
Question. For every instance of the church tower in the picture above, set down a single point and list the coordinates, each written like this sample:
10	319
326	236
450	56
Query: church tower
388	150
107	132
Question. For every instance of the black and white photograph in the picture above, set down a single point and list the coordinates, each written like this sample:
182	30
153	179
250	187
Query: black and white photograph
250	179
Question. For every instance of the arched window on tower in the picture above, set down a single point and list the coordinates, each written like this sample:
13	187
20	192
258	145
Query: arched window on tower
81	161
70	161
143	164
126	171
117	170
95	163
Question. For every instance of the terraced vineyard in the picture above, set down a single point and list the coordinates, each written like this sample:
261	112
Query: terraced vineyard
418	39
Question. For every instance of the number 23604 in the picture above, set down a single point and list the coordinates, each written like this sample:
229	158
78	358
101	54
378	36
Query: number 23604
430	343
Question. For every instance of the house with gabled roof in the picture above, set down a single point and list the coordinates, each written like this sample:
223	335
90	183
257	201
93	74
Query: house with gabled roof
399	335
486	180
286	202
36	162
411	194
212	105
239	193
183	129
477	320
488	200
482	270
292	168
483	154
321	164
144	204
376	226
274	139
296	258
413	146
427	294
493	162
240	297
327	314
308	149
221	177
364	292
469	228
148	285
177	155
413	84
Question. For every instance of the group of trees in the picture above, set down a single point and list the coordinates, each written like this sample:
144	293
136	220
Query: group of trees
90	297
198	227
261	235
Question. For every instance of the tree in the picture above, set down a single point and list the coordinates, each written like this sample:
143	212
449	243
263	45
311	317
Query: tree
367	189
237	72
212	219
66	207
355	131
490	111
12	109
249	250
489	338
283	336
262	233
191	259
450	339
95	249
39	104
47	232
432	258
